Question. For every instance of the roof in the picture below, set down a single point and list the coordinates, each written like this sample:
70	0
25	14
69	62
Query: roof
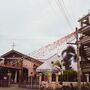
48	66
44	67
84	17
20	55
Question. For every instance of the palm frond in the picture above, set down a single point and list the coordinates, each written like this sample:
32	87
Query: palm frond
70	52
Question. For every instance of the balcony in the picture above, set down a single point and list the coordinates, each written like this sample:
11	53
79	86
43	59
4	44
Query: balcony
85	66
12	62
10	66
85	30
87	50
85	40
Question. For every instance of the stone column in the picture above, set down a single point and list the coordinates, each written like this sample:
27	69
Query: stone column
9	78
29	74
56	77
15	79
40	79
20	76
50	77
87	77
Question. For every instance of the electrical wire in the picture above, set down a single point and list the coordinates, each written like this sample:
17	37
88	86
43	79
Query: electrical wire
66	10
53	9
59	4
65	14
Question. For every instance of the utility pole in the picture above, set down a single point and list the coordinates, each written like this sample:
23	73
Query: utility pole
78	61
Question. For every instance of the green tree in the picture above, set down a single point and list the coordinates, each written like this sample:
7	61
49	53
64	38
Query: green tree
70	75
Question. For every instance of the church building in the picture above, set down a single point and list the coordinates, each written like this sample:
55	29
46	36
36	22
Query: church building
17	67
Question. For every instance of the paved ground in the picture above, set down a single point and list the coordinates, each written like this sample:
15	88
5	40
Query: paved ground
12	88
15	87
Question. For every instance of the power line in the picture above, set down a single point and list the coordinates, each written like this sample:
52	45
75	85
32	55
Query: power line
53	9
61	7
64	6
65	13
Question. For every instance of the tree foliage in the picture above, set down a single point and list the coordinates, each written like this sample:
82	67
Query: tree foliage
69	75
67	54
69	72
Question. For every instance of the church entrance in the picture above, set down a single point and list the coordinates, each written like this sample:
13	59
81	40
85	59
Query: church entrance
13	76
9	74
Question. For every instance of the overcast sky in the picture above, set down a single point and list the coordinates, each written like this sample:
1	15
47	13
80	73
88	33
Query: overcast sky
31	24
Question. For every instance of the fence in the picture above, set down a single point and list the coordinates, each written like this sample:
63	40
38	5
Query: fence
33	83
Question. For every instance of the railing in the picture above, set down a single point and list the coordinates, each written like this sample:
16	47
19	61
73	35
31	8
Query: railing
85	64
32	83
10	66
85	39
84	29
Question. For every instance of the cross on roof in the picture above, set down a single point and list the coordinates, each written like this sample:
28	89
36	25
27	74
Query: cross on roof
13	45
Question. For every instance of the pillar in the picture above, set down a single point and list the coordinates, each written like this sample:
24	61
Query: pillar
20	76
29	74
87	77
50	77
56	77
40	79
15	79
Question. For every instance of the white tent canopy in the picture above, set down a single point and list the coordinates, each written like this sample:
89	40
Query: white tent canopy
48	66
44	67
